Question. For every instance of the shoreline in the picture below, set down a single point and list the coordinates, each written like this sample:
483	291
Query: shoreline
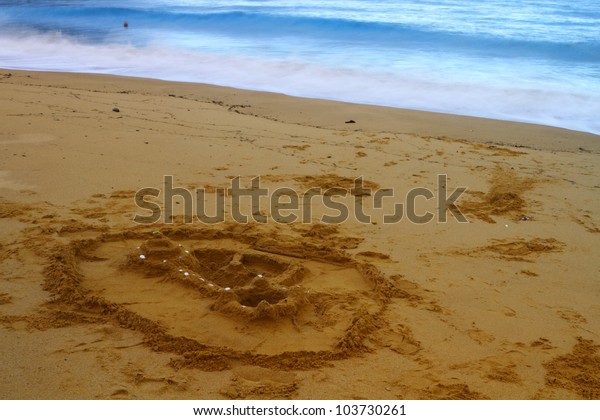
368	117
96	306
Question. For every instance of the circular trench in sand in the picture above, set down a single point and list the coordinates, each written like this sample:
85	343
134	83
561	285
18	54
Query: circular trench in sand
215	298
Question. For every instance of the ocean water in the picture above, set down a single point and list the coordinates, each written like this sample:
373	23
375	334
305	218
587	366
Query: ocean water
522	60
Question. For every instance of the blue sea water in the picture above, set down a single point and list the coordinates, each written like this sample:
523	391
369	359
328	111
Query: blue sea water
523	60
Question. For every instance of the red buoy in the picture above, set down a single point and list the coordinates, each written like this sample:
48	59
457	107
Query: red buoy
125	25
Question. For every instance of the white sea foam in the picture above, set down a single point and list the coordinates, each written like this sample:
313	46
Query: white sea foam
545	104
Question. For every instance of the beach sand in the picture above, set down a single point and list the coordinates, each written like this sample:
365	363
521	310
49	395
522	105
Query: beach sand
505	306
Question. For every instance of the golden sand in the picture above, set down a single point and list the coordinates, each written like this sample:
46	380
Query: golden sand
93	305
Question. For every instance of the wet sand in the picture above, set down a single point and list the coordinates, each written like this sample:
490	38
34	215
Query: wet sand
94	305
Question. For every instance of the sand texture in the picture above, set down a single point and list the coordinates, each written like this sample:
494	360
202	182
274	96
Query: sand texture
95	306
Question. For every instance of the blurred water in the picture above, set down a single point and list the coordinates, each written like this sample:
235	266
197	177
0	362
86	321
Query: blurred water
535	61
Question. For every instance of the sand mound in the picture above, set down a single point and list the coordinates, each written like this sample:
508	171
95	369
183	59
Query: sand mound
504	197
578	371
11	209
518	249
452	392
333	181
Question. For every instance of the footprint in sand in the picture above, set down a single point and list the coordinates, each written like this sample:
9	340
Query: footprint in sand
260	383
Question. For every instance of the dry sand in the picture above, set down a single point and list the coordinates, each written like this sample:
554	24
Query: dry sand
504	307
